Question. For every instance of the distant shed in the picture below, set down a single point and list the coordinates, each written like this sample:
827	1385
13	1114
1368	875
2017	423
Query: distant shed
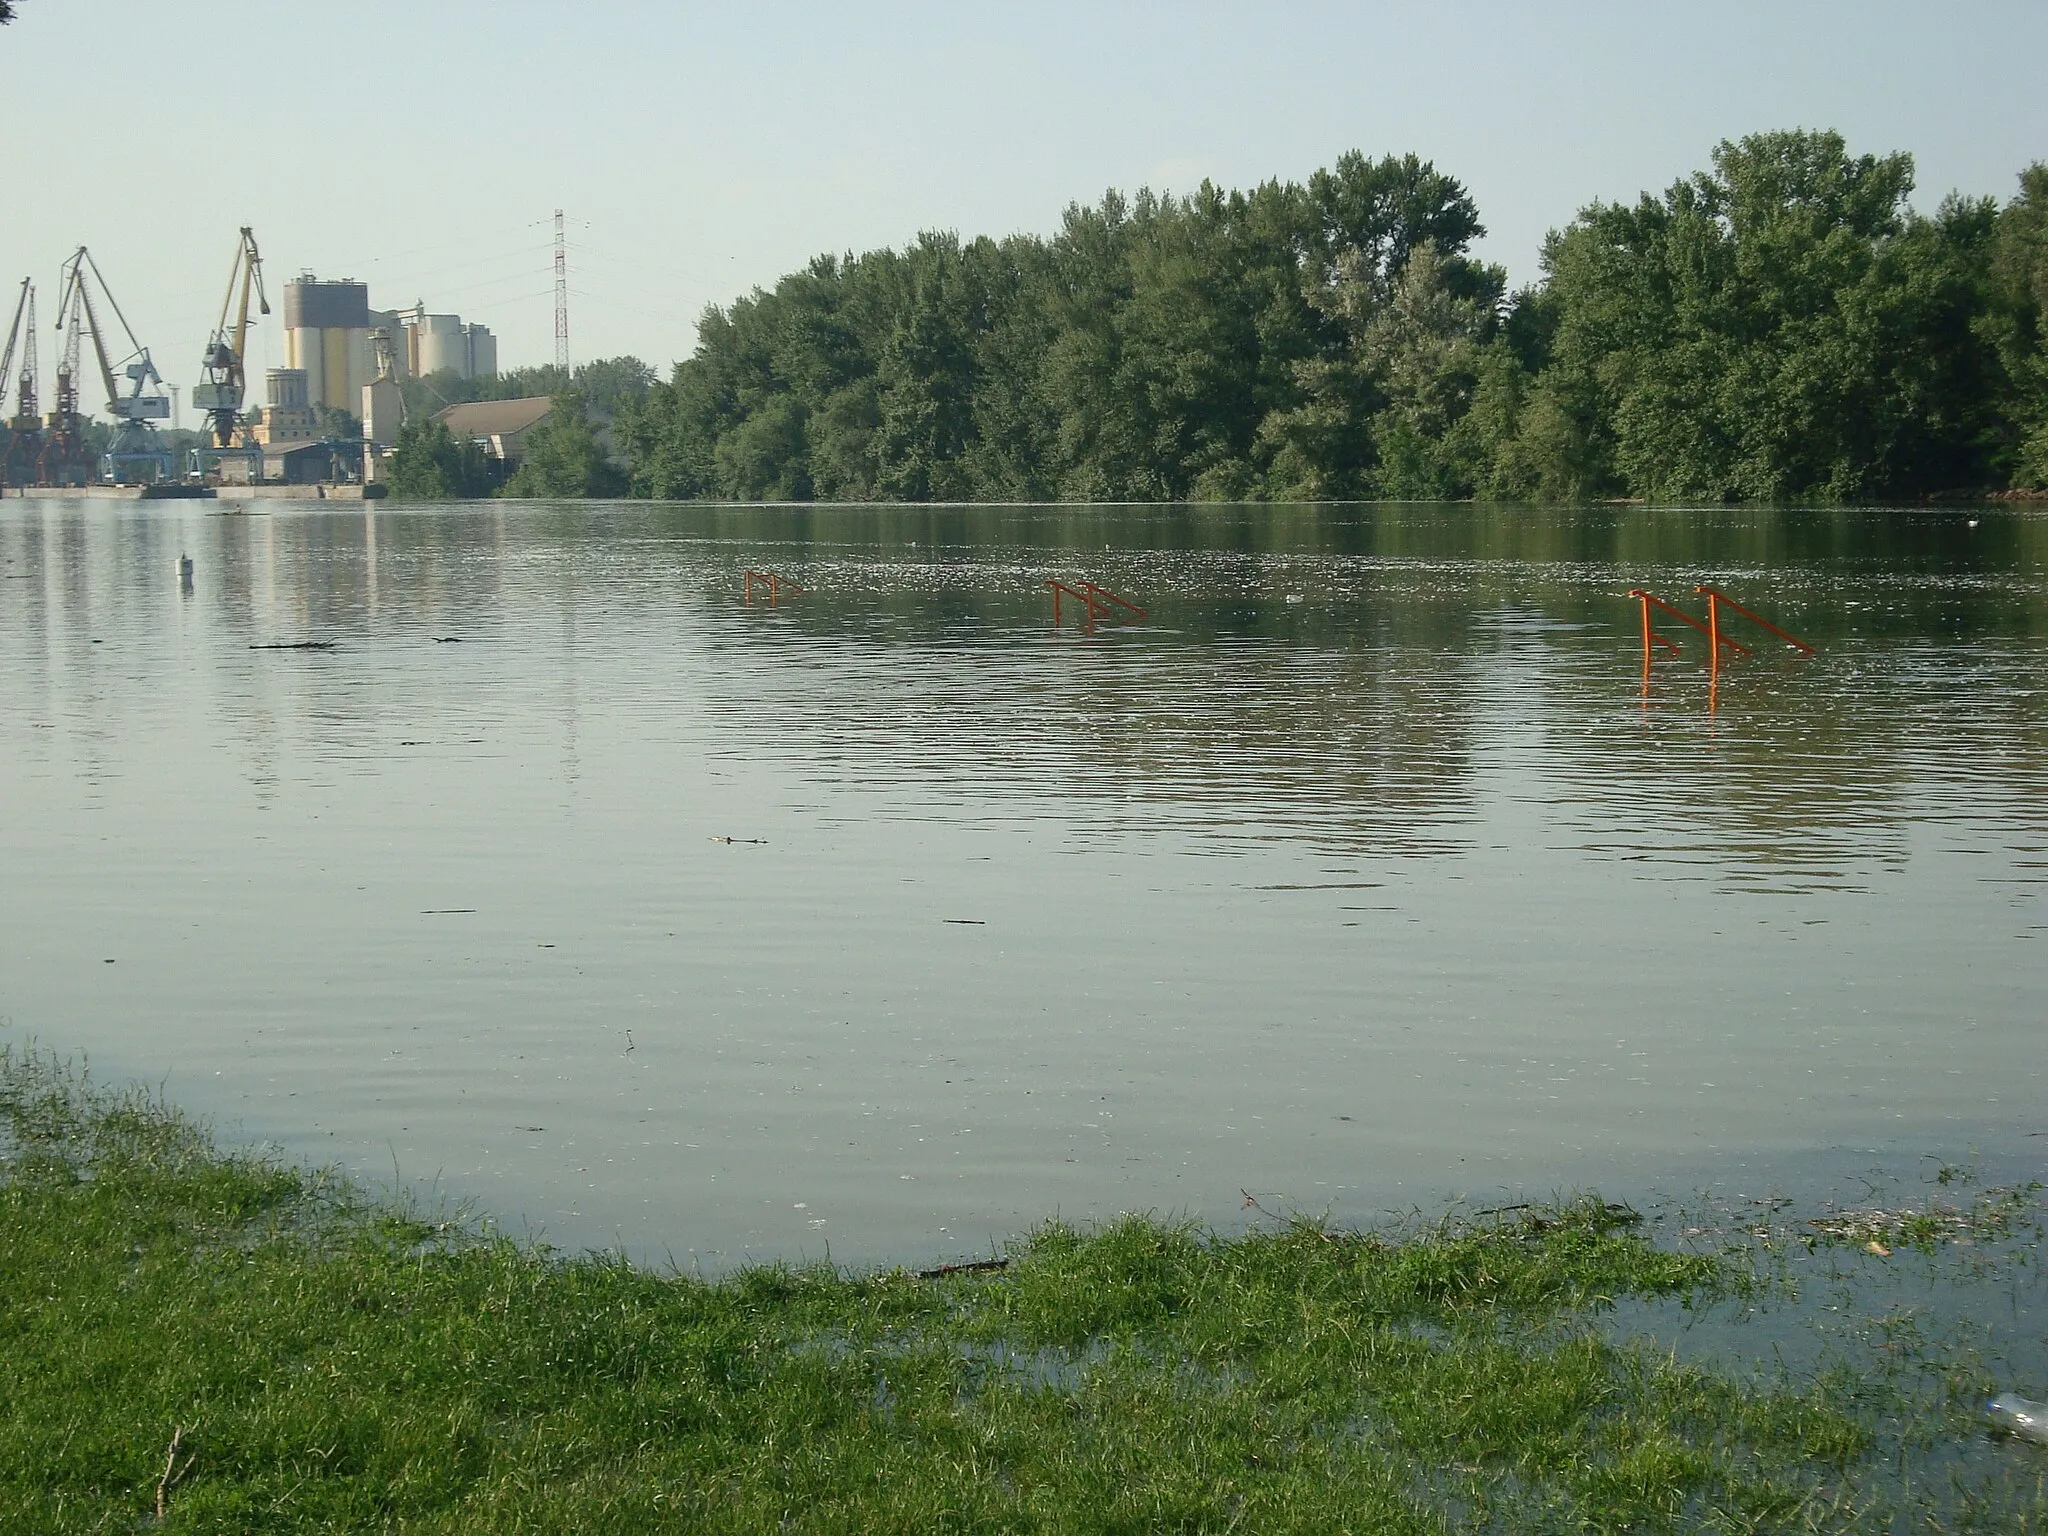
500	425
301	463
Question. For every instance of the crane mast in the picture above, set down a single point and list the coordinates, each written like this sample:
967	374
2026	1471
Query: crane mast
225	378
21	307
24	428
135	454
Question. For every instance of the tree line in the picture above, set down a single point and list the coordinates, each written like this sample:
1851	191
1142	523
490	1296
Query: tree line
1780	326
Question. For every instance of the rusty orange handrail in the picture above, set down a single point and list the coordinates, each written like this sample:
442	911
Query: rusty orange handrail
1095	591
775	582
1091	597
1716	597
1715	641
1060	588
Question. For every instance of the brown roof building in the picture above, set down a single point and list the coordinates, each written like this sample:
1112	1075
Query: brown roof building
500	425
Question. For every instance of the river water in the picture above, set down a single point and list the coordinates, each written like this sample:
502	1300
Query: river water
1363	872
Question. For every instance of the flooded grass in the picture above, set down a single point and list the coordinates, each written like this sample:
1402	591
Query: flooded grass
209	1340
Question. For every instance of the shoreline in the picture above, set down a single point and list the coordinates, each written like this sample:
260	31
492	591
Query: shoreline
220	1334
178	491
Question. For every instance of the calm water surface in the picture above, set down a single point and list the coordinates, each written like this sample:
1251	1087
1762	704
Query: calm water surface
1364	872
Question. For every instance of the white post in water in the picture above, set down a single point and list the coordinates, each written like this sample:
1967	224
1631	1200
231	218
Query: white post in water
185	574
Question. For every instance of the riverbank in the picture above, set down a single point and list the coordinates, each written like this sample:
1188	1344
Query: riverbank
178	490
233	1343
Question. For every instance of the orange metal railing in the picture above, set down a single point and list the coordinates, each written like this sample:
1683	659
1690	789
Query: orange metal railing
1103	592
773	581
1652	638
1717	599
1095	602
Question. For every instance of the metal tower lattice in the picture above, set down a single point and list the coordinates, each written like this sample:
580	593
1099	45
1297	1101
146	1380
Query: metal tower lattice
561	297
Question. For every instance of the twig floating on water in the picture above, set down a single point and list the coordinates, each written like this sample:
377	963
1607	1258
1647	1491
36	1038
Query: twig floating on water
447	911
759	841
970	922
295	645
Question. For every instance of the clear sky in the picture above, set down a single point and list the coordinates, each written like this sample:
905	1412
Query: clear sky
703	149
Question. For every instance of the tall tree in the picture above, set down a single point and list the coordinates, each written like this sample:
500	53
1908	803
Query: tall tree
1780	326
2013	323
428	464
563	458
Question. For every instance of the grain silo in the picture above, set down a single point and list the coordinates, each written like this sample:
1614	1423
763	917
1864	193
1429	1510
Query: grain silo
327	334
437	346
442	342
482	349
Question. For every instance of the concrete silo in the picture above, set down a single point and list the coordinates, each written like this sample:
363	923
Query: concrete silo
437	345
327	334
437	342
482	348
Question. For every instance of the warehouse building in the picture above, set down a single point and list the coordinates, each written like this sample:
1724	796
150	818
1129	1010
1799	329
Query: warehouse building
499	425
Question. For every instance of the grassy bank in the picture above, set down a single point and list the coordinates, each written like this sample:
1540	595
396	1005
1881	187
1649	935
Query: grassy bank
327	1362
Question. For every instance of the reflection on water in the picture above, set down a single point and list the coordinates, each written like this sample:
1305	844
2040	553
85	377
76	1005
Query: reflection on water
1363	872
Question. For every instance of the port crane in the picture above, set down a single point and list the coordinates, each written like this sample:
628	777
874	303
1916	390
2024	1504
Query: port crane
224	376
25	427
134	455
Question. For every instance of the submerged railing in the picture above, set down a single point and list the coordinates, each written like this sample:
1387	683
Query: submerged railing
774	582
1717	599
1095	601
1716	641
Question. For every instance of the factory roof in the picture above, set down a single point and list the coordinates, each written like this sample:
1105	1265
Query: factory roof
494	418
290	446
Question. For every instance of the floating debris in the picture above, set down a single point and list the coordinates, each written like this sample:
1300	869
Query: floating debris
2020	1416
1879	1231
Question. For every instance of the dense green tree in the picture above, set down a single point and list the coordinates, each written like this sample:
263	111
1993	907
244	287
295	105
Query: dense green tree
428	464
1137	354
563	457
1782	325
2017	299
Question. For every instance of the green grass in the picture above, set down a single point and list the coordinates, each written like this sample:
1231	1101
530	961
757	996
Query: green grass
330	1362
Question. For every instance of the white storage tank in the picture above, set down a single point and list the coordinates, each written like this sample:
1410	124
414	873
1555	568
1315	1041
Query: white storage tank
440	345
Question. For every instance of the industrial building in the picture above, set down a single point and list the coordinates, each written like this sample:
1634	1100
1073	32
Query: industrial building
434	343
499	425
288	414
327	338
328	329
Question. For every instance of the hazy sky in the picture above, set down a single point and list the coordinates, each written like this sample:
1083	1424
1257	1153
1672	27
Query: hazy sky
700	150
